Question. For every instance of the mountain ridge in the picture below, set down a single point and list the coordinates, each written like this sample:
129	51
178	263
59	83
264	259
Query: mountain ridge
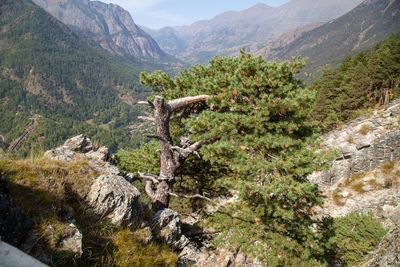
251	28
361	28
109	24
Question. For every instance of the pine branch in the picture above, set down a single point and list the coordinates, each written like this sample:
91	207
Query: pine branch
144	118
192	197
201	232
155	136
186	101
232	259
149	177
148	103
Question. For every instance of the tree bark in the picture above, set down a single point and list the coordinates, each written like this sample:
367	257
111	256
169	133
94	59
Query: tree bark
171	157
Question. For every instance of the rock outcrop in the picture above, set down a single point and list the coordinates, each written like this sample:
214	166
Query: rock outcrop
113	196
14	223
110	25
366	174
363	144
98	159
66	238
168	227
110	194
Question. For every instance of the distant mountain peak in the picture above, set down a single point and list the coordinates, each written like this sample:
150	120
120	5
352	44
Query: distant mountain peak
113	26
261	5
251	28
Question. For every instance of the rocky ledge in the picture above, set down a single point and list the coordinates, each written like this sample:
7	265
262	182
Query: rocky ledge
112	195
362	144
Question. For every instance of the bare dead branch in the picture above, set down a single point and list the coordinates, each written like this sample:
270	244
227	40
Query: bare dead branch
149	177
232	258
155	136
192	197
149	190
183	153
144	118
201	232
186	101
194	147
147	102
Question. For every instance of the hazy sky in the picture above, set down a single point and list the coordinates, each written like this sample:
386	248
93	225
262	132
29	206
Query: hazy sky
159	13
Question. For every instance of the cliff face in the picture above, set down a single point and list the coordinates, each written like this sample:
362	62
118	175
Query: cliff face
365	176
363	144
108	24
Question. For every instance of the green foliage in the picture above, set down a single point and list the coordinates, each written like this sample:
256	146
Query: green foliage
262	152
356	234
145	159
359	83
75	86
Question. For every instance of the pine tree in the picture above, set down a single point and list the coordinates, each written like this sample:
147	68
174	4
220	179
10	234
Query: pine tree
247	118
370	78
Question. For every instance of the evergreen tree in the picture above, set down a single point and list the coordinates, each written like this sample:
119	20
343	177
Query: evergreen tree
253	131
370	78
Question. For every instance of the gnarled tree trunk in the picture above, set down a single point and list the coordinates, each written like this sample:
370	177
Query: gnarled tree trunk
171	157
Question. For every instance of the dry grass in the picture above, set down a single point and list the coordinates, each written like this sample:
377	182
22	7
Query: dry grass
349	139
338	198
391	175
354	178
364	129
131	249
358	187
387	167
53	192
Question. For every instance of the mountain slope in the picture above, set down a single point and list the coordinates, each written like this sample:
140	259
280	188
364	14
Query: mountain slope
361	28
228	32
109	24
65	84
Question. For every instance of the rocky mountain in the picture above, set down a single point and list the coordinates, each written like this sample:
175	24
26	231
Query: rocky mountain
361	28
253	27
110	25
55	83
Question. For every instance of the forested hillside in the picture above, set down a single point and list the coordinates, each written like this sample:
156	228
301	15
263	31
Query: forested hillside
370	78
76	87
359	29
109	25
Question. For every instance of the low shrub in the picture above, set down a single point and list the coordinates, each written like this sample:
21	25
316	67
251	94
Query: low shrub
355	235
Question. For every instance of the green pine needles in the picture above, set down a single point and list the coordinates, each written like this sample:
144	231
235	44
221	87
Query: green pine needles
370	78
356	234
261	152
